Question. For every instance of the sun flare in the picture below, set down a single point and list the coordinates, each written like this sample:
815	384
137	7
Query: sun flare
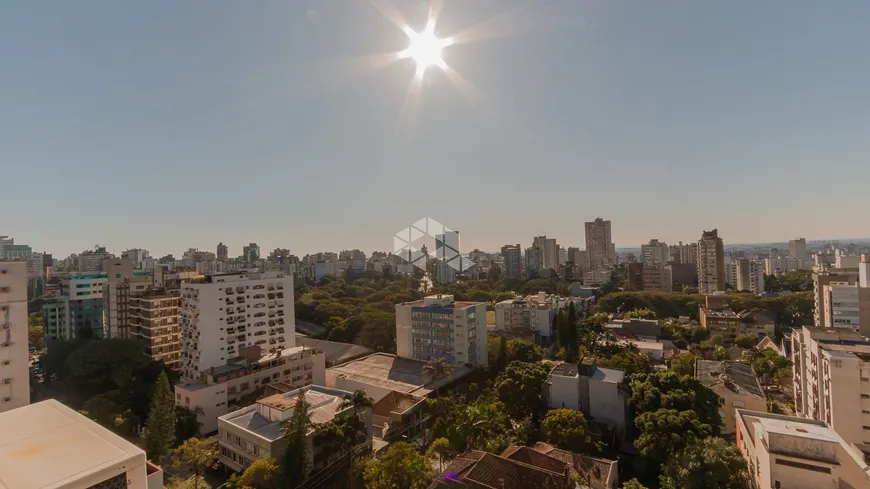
425	48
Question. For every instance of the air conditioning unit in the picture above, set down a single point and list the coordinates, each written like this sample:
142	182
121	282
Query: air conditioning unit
6	344
7	381
7	399
6	362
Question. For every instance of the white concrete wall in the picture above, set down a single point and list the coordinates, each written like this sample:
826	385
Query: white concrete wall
14	354
564	393
606	403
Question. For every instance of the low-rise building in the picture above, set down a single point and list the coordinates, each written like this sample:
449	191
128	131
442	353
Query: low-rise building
534	312
256	431
48	445
14	356
439	327
648	328
729	324
399	416
381	373
600	393
789	452
220	389
736	385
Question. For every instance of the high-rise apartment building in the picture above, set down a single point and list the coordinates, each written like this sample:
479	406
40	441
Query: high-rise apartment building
439	327
745	274
136	255
512	259
224	313
448	256
251	253
831	368
797	249
154	318
599	244
655	252
223	252
842	306
824	276
534	259
549	251
83	304
711	263
657	276
92	261
534	313
14	355
684	253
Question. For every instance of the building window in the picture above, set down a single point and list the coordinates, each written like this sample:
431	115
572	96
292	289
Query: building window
800	465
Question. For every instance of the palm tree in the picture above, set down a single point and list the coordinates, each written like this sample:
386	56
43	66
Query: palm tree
358	401
438	369
358	431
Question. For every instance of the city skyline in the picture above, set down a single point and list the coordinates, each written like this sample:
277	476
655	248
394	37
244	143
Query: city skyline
165	125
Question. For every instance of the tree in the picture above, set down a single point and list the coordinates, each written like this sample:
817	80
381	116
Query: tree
358	401
706	464
159	431
627	358
440	450
261	474
295	464
195	455
357	432
187	423
437	369
668	431
110	409
746	341
568	430
192	482
519	388
640	314
566	331
670	390
400	468
633	484
501	360
524	351
35	330
684	363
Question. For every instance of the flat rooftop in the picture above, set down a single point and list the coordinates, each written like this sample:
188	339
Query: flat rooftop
48	444
720	313
794	427
738	377
395	373
324	403
336	352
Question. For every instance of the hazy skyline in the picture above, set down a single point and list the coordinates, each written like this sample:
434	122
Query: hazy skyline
169	125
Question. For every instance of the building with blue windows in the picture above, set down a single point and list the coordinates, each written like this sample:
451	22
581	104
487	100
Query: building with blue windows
83	304
439	327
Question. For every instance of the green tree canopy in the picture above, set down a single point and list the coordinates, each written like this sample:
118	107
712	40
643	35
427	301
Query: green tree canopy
295	464
684	363
159	433
519	388
261	474
195	455
668	431
568	430
440	450
644	313
670	390
401	467
706	464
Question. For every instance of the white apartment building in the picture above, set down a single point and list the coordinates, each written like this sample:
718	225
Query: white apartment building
549	251
655	252
597	276
220	389
536	313
256	431
785	452
823	276
14	354
439	327
832	379
136	255
776	266
83	303
598	392
48	445
841	307
223	313
745	274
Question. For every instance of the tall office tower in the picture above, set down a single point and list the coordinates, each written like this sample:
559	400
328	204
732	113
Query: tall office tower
228	312
439	327
222	252
600	250
549	251
746	275
655	252
797	248
513	265
711	263
534	262
14	356
251	252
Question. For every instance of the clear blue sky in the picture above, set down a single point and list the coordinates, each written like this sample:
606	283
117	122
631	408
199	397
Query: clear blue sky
167	124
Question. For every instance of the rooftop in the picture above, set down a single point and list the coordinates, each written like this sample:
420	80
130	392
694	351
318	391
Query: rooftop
48	444
592	371
720	313
475	469
739	377
265	417
403	375
336	353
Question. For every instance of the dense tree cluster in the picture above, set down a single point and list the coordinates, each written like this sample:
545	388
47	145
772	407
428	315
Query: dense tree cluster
794	281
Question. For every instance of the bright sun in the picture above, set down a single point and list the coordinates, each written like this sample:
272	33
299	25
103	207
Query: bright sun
425	48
